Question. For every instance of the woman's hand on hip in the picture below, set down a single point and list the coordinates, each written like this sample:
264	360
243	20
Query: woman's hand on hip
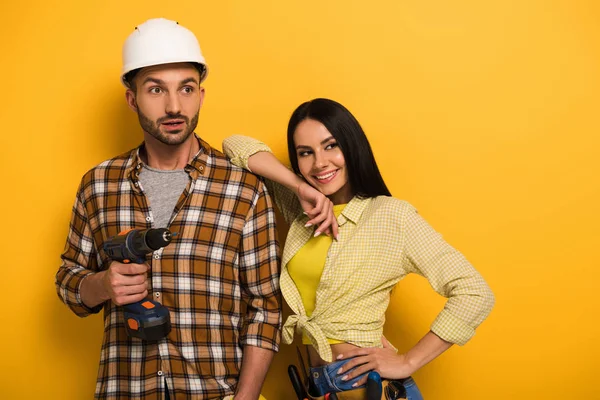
385	361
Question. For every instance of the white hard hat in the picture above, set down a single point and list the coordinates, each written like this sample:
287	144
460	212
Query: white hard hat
161	41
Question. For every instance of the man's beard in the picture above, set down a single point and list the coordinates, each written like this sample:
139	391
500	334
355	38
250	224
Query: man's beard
153	128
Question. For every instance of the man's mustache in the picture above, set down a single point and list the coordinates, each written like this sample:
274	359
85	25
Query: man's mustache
172	117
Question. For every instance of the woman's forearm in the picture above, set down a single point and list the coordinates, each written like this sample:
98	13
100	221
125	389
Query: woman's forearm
315	205
267	165
428	348
387	362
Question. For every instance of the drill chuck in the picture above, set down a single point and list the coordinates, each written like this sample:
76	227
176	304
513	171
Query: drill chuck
157	238
133	245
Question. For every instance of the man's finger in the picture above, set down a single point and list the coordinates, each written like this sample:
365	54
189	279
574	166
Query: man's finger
130	269
128	299
131	290
130	280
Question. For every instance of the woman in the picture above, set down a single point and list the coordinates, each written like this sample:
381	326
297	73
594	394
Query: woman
338	284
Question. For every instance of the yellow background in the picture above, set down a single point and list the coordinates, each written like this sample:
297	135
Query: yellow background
483	114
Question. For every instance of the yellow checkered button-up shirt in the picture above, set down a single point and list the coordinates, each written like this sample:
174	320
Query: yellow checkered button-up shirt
381	240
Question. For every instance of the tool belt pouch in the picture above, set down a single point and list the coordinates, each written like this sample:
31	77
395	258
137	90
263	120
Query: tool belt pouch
356	394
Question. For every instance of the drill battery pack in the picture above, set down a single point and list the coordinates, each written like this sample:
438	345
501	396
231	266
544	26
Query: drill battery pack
147	320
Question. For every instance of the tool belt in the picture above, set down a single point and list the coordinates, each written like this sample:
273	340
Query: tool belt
390	390
359	394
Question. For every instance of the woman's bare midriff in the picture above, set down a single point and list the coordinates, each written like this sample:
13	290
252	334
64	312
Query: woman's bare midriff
336	349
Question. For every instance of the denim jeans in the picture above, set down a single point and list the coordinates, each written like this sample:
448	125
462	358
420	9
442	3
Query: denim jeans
412	391
325	379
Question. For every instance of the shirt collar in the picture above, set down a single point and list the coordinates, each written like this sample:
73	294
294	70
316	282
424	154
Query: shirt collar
353	211
197	165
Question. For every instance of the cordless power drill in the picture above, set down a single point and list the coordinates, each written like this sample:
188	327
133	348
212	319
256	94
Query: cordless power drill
146	319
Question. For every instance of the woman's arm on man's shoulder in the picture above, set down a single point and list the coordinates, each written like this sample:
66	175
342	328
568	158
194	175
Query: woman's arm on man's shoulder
291	193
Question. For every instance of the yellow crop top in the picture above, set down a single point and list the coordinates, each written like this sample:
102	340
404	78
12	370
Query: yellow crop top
306	268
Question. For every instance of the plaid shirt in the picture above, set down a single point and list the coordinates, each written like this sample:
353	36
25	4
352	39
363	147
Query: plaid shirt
219	277
380	241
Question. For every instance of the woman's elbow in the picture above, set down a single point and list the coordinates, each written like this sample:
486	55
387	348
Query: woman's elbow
488	300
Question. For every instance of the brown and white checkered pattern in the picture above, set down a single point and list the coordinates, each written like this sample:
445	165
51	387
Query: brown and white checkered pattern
219	277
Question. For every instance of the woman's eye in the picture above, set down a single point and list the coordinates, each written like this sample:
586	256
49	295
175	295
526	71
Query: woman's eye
303	153
331	146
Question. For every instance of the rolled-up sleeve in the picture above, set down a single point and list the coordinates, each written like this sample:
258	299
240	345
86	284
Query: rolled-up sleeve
259	275
239	149
78	261
470	299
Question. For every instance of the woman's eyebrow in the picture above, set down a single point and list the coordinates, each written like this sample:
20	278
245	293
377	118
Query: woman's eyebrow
322	142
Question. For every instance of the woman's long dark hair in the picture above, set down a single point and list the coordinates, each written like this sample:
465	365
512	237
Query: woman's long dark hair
363	173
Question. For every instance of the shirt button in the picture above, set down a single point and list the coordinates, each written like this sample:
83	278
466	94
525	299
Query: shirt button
136	184
148	219
160	373
201	168
157	294
156	256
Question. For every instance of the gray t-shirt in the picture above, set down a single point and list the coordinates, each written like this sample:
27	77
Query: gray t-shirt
163	189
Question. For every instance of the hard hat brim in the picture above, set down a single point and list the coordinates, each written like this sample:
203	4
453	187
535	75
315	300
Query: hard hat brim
133	67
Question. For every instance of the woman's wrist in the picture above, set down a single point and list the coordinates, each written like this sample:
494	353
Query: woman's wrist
427	349
411	362
297	186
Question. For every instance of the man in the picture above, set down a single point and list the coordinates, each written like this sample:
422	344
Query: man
219	277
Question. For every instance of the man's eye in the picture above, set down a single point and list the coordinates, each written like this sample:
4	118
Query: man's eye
188	89
155	90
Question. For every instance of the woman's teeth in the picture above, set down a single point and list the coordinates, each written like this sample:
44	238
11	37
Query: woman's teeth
326	176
